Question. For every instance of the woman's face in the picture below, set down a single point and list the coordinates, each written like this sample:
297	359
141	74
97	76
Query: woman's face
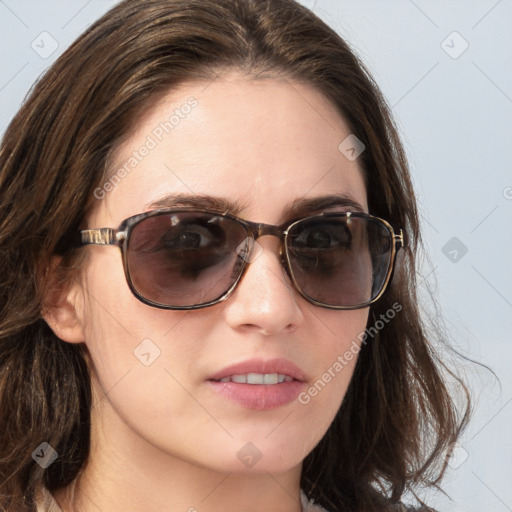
262	144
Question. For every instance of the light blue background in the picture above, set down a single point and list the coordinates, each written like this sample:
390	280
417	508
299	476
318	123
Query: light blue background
455	116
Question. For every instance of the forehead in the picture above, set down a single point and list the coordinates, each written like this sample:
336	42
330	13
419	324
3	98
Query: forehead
260	143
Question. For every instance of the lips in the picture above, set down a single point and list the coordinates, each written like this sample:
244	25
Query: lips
259	384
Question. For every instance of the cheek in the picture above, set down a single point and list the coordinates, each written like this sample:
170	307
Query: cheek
124	335
141	358
336	359
339	333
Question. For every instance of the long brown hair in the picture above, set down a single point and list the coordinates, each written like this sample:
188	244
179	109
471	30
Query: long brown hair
397	419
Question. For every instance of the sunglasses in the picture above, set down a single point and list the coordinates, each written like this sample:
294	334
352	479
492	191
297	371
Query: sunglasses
184	258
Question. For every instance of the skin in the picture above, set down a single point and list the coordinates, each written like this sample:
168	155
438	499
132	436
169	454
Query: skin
161	438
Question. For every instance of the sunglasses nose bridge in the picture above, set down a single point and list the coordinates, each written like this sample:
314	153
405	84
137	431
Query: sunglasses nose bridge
256	231
260	230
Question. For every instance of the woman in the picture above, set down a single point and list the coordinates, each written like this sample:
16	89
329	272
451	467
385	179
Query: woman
253	342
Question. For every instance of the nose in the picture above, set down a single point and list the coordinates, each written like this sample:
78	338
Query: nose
264	300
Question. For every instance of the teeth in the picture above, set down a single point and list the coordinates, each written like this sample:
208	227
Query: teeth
270	378
258	378
255	378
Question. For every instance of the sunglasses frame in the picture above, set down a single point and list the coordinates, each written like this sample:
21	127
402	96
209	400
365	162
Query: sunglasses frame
121	236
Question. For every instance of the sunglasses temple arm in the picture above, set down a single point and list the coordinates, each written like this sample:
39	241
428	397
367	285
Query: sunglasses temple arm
102	236
399	240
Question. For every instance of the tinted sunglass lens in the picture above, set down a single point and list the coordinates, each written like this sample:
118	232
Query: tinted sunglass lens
340	261
186	258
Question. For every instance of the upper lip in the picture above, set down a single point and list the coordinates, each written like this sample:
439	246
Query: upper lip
280	366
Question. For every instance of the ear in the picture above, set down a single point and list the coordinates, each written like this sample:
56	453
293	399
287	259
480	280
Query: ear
63	305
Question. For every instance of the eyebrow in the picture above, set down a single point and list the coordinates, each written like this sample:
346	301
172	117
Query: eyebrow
300	206
313	204
197	201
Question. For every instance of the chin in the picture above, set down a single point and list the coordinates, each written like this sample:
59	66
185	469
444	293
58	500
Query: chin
256	457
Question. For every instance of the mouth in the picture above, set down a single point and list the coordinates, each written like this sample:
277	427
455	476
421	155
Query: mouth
257	378
259	384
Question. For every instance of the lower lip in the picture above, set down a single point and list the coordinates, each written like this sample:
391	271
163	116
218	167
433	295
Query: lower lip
262	397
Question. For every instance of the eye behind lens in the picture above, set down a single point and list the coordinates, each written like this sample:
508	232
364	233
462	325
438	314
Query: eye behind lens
184	259
340	261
